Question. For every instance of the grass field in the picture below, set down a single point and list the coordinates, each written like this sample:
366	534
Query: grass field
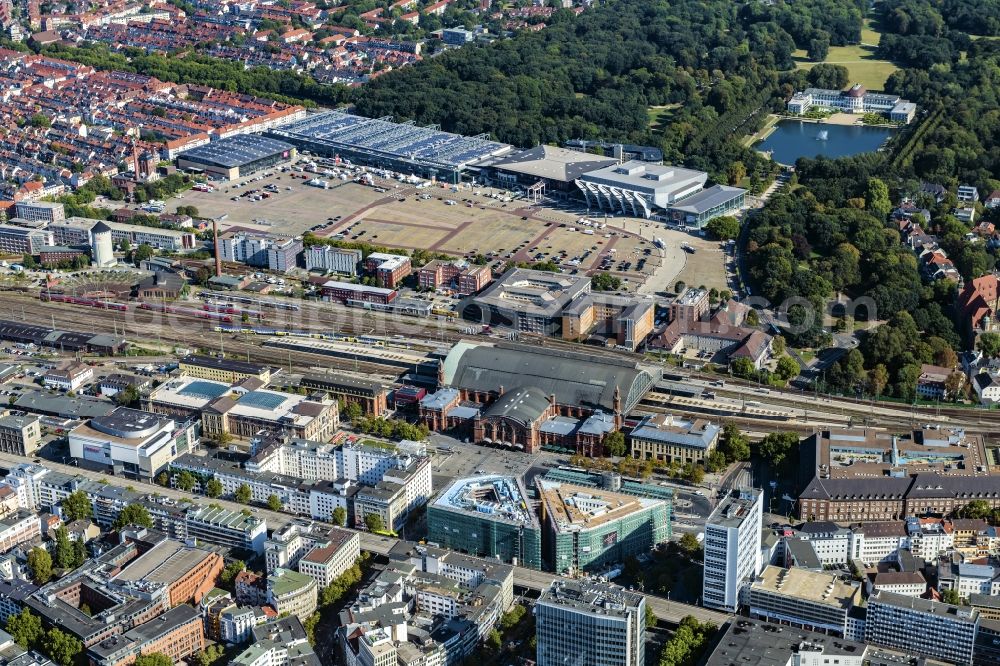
864	67
859	59
659	116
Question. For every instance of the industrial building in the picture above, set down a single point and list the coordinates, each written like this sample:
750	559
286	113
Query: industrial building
487	516
222	369
587	529
66	341
544	170
403	147
590	623
236	156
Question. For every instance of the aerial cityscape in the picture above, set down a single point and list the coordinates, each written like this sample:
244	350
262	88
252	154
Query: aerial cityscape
469	332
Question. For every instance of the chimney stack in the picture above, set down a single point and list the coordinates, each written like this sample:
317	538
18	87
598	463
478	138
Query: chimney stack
215	240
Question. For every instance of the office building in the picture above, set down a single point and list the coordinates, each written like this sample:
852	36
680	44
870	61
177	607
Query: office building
23	240
222	369
226	528
20	434
187	573
326	258
178	633
389	269
69	376
923	627
732	548
282	641
292	593
262	250
370	394
21	527
813	600
85	231
357	294
289	543
184	397
135	443
487	516
596	624
39	211
276	413
758	643
860	475
427	606
588	529
527	300
669	439
459	276
330	558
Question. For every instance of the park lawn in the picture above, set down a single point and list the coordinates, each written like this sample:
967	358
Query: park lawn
860	61
869	35
659	116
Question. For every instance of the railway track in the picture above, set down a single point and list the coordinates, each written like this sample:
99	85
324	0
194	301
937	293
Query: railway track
185	331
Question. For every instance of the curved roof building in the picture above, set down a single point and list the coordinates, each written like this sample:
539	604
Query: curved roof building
575	378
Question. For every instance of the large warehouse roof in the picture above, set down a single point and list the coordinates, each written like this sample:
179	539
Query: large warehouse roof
553	163
235	151
382	137
575	378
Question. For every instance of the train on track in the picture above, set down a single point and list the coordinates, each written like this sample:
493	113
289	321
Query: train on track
247	300
232	310
51	297
369	340
189	312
